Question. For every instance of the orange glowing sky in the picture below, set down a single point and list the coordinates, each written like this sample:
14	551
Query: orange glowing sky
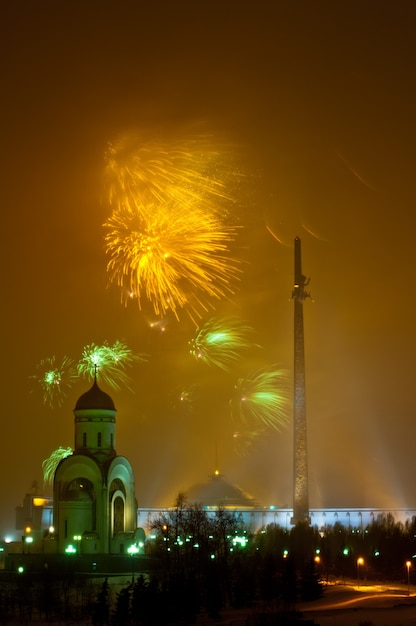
318	100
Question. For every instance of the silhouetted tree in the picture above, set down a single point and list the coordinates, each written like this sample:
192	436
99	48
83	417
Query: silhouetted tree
213	587
303	542
121	613
188	541
269	577
310	587
150	602
243	579
101	613
289	585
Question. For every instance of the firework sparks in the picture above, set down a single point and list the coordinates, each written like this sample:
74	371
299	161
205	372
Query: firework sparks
189	172
262	399
159	325
110	362
167	238
55	379
50	464
221	342
246	439
185	399
177	259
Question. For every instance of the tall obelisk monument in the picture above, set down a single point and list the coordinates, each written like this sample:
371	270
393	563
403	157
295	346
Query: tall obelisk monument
300	457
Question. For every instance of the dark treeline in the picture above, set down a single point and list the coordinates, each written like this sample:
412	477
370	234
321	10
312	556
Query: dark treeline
206	563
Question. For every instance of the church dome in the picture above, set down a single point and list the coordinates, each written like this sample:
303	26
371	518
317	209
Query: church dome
218	492
95	398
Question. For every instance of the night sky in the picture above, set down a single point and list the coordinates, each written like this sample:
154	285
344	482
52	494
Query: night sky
318	101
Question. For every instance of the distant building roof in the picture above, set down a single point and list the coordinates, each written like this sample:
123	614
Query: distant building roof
219	492
95	398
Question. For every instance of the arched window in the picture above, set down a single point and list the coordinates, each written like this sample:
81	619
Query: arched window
79	489
118	515
99	439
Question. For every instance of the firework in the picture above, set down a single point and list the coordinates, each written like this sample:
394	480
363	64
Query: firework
261	399
159	325
185	399
191	172
108	362
175	259
50	464
247	439
221	342
55	379
169	235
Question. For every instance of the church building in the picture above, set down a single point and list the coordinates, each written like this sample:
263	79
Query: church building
94	505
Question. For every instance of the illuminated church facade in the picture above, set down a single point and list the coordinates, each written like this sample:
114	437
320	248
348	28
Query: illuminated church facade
94	500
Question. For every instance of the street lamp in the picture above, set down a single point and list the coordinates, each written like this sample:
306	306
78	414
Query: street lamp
360	561
132	550
408	565
77	539
27	538
28	541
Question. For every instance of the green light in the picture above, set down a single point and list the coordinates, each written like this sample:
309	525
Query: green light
20	569
50	464
55	378
109	361
221	342
70	549
262	399
345	552
241	541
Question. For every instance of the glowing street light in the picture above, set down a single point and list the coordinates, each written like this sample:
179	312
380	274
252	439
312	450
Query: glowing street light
132	550
28	541
360	561
77	539
408	565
